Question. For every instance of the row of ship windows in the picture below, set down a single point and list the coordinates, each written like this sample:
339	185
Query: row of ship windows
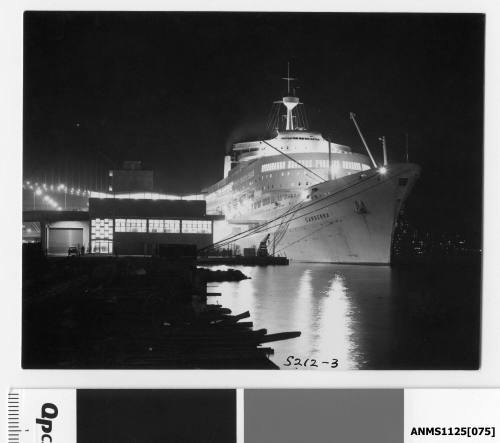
285	185
276	166
285	165
269	200
278	185
234	204
291	185
282	174
317	217
299	138
103	228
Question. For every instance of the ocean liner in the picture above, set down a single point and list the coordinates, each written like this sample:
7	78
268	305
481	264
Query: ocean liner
312	199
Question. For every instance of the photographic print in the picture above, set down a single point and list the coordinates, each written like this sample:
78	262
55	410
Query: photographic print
294	191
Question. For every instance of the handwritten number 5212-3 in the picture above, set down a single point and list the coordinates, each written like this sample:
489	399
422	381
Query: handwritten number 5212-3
310	362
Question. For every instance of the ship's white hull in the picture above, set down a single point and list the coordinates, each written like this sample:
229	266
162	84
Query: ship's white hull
348	220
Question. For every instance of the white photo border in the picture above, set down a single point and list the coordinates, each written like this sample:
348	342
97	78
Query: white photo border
11	27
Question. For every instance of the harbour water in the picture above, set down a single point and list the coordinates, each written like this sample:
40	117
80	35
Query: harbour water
364	317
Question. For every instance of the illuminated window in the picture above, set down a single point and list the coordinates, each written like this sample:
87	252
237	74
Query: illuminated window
322	163
135	225
102	247
101	229
130	225
101	235
164	226
273	166
196	226
120	225
351	165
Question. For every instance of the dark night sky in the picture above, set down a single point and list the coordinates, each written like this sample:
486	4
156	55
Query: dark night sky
175	90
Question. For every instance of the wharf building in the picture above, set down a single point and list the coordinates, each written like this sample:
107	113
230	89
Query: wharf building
130	219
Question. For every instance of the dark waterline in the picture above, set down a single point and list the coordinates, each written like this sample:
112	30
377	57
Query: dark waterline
367	317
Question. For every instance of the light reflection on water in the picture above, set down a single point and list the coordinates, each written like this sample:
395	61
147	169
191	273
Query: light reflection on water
367	317
316	299
334	323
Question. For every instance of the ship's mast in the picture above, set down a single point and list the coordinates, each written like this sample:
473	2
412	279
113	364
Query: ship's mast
288	78
290	102
353	118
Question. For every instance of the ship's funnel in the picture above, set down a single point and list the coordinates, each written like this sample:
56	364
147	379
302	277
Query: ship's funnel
290	103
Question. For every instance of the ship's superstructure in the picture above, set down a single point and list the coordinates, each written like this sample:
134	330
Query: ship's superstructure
319	200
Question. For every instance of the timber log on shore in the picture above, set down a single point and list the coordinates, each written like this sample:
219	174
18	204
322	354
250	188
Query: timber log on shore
133	313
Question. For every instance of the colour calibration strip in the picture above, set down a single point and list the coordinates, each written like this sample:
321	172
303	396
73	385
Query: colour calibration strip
253	416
